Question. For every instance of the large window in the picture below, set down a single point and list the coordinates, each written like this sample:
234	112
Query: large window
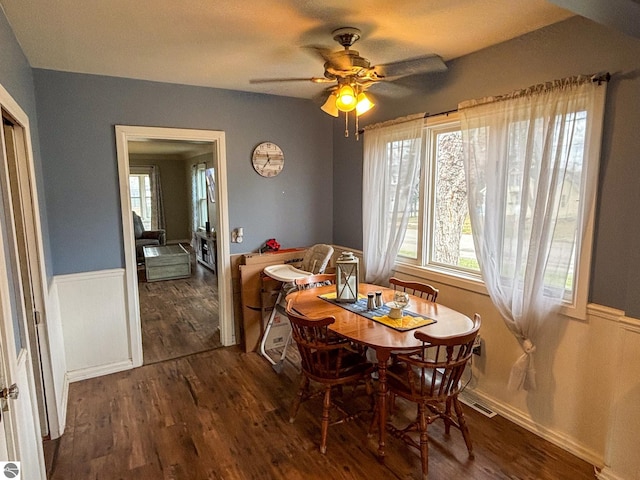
201	196
140	191
439	235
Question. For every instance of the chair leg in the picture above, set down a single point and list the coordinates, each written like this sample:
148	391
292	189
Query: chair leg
424	439
463	426
326	406
304	385
447	416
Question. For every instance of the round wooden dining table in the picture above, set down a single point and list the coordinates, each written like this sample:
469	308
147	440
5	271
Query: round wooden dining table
381	338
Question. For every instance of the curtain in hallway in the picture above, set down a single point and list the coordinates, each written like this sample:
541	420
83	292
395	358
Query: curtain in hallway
153	203
157	207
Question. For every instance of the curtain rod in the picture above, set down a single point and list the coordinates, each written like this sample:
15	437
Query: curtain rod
409	118
597	77
601	77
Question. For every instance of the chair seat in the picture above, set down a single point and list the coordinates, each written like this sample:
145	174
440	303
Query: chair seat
352	366
398	380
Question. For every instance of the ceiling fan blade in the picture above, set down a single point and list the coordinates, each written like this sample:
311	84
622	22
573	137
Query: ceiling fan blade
305	79
337	60
410	66
390	90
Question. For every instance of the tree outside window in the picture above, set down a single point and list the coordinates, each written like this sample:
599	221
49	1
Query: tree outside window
439	230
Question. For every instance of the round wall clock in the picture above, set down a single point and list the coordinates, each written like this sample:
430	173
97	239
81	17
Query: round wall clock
268	159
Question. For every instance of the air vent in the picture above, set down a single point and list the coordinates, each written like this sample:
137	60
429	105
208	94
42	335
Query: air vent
478	407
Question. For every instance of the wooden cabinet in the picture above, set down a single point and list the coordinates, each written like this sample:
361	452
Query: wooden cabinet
205	247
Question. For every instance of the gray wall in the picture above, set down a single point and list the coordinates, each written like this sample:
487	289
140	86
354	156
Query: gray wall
571	47
77	114
17	78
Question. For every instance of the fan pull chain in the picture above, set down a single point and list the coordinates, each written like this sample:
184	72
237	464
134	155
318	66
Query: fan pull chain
357	132
346	124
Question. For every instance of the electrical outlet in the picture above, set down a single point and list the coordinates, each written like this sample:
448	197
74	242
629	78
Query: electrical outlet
477	346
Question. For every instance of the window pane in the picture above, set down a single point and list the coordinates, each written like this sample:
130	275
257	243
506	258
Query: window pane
134	186
452	242
409	246
528	140
140	192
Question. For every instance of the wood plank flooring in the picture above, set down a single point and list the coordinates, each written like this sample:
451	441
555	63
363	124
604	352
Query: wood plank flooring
223	414
179	317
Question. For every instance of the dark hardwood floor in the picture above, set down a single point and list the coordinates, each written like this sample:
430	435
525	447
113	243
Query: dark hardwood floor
223	414
179	317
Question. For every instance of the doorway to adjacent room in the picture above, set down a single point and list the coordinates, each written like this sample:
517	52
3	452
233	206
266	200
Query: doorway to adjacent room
212	286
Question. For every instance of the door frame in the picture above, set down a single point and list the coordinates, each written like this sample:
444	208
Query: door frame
126	133
43	407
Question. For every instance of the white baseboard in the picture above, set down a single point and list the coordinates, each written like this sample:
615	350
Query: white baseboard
607	474
557	438
92	372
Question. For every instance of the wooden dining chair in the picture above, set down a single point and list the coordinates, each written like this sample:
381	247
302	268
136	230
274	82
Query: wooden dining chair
423	290
326	359
313	281
431	378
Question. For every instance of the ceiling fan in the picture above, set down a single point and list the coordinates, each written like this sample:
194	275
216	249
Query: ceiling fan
351	74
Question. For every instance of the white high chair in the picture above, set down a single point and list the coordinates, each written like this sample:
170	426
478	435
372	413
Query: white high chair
315	260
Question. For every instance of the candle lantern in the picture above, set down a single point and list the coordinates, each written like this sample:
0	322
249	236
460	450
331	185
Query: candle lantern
347	278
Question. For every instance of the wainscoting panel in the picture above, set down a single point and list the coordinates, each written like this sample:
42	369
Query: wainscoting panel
588	377
622	460
94	323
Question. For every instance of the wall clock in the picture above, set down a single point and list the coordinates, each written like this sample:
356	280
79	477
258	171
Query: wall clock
268	159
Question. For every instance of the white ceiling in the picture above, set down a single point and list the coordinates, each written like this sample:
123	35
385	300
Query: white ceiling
226	43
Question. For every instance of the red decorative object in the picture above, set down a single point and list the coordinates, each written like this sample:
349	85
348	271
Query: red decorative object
270	245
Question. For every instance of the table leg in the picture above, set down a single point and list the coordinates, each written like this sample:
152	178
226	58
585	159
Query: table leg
383	357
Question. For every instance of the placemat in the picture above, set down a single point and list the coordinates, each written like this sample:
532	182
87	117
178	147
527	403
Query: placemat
409	320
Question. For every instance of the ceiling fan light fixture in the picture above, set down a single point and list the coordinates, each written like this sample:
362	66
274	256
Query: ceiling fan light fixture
346	100
363	104
329	106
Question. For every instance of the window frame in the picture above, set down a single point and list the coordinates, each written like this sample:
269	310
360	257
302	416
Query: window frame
423	261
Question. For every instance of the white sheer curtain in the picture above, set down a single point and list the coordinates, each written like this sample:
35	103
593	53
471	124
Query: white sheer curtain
531	161
391	164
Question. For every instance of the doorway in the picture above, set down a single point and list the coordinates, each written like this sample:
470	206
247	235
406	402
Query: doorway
215	142
179	315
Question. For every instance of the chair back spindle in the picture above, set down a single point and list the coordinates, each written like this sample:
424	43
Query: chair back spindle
422	290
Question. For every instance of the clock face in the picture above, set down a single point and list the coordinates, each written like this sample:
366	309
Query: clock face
268	159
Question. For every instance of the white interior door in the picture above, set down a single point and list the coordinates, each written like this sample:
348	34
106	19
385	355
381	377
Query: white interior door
20	425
